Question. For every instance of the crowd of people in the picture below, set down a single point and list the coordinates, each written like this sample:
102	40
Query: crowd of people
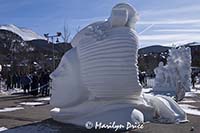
37	82
33	83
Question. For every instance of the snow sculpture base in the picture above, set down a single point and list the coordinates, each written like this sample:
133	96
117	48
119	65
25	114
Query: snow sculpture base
148	108
97	80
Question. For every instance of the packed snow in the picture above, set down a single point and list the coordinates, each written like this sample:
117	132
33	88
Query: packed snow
187	101
25	34
5	92
3	129
147	90
9	109
189	109
190	94
193	93
32	103
43	99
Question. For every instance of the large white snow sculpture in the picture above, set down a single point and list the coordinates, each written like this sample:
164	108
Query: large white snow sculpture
97	79
174	77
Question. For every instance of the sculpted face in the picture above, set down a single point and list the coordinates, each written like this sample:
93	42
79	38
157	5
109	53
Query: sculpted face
66	84
60	70
59	84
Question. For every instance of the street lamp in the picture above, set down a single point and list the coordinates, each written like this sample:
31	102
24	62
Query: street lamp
58	34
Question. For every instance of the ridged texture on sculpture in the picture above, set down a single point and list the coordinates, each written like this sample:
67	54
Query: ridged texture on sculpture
108	65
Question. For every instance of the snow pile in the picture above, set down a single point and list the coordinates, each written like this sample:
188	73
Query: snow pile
147	90
193	93
43	99
32	103
5	92
25	34
3	129
188	101
9	109
189	109
190	94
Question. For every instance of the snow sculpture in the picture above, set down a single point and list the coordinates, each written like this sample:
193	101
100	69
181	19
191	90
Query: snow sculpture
174	77
97	79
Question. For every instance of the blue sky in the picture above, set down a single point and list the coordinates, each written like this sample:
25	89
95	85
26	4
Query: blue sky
161	21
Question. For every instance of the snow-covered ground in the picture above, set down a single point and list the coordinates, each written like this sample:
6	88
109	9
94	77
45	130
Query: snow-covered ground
3	129
43	99
186	104
191	97
32	103
5	92
147	90
9	109
189	109
40	128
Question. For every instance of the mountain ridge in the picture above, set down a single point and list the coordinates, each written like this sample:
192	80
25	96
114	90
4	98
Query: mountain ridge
25	33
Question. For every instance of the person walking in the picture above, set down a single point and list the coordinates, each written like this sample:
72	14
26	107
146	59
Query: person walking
193	77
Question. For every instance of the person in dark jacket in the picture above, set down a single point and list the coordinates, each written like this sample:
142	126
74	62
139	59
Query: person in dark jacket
8	81
18	80
193	77
44	83
34	84
26	80
14	80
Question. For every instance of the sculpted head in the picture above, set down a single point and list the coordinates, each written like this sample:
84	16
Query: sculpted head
123	15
